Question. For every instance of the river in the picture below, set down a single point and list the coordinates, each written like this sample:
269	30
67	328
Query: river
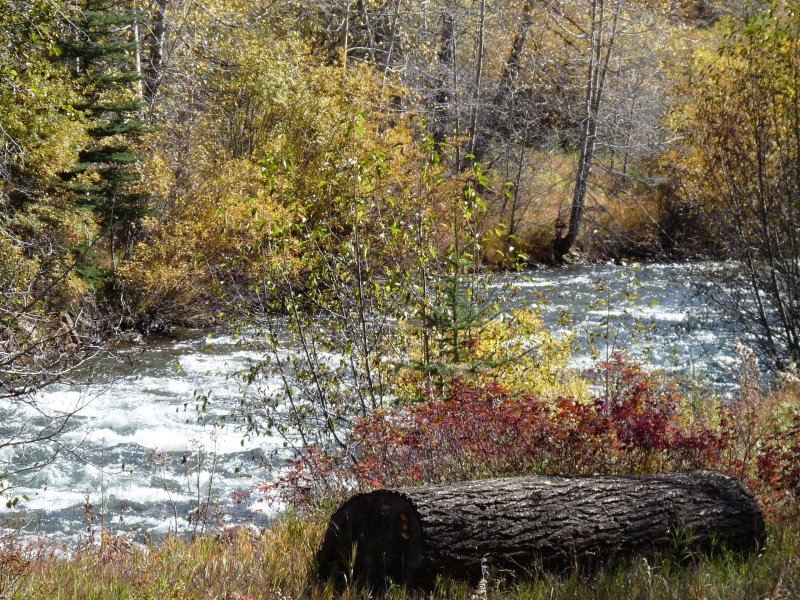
139	458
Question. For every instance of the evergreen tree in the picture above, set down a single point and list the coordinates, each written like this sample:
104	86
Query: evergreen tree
104	56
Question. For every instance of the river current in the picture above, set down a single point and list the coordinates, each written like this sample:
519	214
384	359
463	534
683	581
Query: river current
139	458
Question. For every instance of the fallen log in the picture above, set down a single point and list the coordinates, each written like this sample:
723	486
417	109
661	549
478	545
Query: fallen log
410	536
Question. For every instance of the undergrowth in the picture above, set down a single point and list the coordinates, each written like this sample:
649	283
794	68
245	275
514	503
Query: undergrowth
279	565
633	422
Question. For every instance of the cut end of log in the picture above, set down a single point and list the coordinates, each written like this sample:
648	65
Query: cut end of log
411	536
372	539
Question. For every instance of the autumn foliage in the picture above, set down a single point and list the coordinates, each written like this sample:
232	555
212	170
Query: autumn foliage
634	423
475	430
779	461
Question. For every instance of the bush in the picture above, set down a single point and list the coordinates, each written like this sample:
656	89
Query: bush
639	424
14	565
779	461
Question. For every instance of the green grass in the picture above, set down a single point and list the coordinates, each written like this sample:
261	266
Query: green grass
278	565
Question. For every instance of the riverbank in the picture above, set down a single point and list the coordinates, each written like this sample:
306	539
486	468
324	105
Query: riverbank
480	429
142	441
278	564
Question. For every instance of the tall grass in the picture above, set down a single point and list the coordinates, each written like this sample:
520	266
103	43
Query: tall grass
624	216
279	565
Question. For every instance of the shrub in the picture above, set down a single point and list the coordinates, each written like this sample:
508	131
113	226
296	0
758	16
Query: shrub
779	460
14	565
480	428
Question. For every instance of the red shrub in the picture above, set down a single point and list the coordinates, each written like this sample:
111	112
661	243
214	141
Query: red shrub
779	459
314	476
14	565
470	430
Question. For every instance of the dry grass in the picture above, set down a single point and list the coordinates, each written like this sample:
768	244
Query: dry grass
621	215
279	565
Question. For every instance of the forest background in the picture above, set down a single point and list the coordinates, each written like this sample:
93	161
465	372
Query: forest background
158	156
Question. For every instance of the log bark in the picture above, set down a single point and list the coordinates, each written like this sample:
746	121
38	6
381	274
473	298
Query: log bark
410	536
